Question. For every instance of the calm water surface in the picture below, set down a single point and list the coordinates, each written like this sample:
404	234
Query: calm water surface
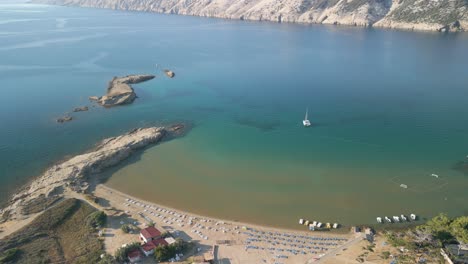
388	108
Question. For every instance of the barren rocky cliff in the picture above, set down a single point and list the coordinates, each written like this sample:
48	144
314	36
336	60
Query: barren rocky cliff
433	15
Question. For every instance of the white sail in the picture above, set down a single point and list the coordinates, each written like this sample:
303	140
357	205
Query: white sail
306	121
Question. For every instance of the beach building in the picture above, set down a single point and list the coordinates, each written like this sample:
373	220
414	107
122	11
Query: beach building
150	233
170	240
150	246
355	229
134	256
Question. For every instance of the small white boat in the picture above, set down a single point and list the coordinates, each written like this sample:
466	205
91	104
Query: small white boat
379	220
403	186
306	121
388	219
314	223
335	225
301	221
413	216
319	225
396	218
435	175
403	218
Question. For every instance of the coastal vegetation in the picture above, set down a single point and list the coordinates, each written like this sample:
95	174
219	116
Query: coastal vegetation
166	252
427	239
64	233
121	253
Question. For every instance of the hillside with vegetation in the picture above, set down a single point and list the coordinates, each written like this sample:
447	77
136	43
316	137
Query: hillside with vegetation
433	15
66	233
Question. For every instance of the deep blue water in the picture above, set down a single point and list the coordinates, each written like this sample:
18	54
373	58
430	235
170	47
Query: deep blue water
388	107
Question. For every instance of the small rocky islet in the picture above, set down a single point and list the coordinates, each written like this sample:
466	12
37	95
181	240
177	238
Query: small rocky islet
120	91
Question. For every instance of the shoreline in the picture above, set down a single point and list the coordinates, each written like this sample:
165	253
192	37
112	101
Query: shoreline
79	177
140	210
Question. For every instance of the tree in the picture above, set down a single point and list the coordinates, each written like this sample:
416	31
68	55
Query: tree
121	253
439	226
164	253
96	219
459	229
125	228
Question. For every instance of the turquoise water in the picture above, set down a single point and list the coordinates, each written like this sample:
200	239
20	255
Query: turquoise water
388	108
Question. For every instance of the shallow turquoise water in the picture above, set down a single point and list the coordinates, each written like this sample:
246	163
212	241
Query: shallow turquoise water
388	107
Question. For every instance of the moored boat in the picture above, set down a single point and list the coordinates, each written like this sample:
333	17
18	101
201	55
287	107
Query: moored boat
396	218
403	218
306	121
413	217
379	220
388	219
301	221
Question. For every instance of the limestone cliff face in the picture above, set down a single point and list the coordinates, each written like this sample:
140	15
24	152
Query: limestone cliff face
434	15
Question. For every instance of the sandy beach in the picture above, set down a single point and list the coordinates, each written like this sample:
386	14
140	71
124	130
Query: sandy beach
80	177
238	242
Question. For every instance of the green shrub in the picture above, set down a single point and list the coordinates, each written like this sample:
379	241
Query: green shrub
9	255
107	259
121	253
125	228
96	219
166	252
385	255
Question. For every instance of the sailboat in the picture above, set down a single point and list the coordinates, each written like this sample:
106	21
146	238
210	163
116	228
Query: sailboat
306	121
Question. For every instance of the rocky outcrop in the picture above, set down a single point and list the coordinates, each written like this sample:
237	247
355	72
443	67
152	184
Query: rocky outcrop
169	73
81	109
120	91
435	15
74	172
64	119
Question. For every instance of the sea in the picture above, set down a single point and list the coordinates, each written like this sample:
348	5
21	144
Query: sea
387	108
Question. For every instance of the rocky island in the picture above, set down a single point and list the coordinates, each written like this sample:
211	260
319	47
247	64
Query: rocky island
431	15
120	91
64	119
81	109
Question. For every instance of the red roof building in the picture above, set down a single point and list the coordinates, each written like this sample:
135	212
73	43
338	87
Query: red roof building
134	255
149	233
149	247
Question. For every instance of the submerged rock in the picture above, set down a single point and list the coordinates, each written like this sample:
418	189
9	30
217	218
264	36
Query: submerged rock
64	119
169	73
81	109
120	91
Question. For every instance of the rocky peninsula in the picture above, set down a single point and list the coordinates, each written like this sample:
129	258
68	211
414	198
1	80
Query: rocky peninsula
120	91
431	15
73	174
